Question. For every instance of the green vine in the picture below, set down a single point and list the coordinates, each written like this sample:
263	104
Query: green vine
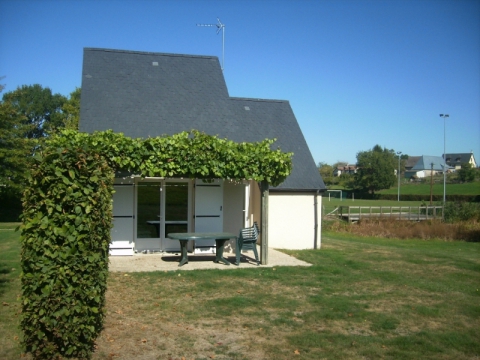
67	217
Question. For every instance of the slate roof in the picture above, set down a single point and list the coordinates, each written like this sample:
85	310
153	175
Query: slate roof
411	161
425	161
144	94
458	158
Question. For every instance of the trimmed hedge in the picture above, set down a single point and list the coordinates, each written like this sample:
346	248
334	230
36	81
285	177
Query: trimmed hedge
65	239
67	217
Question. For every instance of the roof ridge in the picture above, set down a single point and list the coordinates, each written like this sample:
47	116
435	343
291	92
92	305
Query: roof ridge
258	100
150	53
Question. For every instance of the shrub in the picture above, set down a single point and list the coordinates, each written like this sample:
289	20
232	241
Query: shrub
426	230
461	211
65	239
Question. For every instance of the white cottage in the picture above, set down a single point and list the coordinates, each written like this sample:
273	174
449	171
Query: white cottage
144	94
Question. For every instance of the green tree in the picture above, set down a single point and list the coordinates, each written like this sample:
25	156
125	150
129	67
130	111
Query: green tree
326	171
346	180
376	169
40	110
71	110
27	114
14	148
466	173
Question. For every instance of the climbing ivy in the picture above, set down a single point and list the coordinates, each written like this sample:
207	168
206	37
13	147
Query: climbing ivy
67	217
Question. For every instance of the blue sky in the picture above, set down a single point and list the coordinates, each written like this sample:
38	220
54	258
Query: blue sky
356	72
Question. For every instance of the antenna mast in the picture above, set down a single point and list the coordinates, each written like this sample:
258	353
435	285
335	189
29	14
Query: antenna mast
220	27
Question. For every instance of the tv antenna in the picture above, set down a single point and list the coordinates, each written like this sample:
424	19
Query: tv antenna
220	27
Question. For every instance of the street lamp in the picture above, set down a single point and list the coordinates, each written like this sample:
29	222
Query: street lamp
398	175
444	116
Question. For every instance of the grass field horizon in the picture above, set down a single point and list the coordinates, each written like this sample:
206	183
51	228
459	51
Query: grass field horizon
407	188
472	188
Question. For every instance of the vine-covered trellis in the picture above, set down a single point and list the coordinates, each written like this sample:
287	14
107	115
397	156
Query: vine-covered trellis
67	217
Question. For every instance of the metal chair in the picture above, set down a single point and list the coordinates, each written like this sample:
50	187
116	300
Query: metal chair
247	240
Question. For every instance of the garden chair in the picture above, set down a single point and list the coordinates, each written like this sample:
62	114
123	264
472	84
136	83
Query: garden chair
247	240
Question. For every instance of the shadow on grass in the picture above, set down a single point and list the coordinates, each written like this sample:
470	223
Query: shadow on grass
4	280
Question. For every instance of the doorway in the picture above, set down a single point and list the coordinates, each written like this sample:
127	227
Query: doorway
162	208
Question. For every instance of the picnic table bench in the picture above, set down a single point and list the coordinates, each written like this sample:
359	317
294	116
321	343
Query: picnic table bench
220	239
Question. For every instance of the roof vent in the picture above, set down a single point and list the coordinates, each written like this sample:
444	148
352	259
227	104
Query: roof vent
247	108
155	63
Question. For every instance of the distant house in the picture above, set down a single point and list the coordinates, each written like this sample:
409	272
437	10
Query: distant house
424	166
410	163
145	94
346	169
456	160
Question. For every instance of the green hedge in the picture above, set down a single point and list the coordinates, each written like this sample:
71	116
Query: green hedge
65	240
67	217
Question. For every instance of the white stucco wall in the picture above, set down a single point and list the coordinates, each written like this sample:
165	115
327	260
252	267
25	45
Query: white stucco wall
291	221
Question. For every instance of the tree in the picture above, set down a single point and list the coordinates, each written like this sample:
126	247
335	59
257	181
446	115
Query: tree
466	173
26	116
41	111
326	171
376	169
71	110
14	148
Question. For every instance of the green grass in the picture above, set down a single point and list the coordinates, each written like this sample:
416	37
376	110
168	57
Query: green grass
362	298
9	291
472	188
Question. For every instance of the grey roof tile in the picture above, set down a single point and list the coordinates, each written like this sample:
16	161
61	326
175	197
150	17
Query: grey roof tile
144	94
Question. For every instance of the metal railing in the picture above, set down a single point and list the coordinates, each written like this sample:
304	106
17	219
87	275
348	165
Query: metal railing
413	213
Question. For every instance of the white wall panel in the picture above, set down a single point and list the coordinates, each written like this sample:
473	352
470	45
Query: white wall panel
291	221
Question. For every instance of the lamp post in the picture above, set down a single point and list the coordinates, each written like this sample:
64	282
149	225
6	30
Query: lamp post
444	116
398	175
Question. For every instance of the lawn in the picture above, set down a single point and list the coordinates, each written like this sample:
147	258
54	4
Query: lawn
472	188
363	298
9	291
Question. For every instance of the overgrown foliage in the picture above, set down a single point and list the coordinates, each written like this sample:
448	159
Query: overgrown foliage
67	220
394	229
462	211
467	173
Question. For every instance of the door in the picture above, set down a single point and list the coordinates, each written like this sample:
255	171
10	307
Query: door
208	211
148	215
162	208
174	215
123	219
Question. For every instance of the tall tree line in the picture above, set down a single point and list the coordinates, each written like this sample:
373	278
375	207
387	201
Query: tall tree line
27	116
376	170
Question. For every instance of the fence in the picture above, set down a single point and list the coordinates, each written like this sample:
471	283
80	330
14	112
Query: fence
413	213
